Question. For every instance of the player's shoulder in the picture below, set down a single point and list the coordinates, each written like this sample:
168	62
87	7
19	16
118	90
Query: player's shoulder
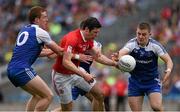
40	30
133	40
154	42
74	32
73	35
70	37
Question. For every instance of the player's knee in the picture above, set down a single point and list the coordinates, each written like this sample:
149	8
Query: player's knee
157	107
100	97
50	97
91	98
37	97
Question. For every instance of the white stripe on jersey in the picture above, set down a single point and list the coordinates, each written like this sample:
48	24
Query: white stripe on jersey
153	45
42	35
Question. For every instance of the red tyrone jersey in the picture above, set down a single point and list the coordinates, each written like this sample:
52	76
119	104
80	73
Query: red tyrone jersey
72	42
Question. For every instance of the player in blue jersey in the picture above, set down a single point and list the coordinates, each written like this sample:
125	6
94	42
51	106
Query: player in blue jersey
145	79
29	44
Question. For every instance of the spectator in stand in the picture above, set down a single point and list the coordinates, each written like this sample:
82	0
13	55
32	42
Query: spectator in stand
106	89
121	93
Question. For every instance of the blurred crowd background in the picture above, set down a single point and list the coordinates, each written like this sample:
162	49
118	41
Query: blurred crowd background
119	19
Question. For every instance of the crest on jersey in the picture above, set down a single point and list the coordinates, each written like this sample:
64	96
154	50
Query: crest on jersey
83	47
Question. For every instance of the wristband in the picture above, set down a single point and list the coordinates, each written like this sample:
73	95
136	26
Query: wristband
167	70
76	56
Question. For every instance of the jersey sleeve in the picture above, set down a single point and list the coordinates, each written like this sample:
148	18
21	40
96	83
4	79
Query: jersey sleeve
97	44
43	36
129	46
159	49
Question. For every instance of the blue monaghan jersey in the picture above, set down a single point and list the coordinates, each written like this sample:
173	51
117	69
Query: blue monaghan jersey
146	59
28	46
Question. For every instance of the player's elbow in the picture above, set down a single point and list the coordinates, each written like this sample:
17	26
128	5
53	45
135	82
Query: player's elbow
65	63
170	63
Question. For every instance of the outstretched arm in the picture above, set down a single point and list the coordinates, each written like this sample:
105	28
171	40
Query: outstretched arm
81	57
55	48
115	56
105	60
122	52
46	52
101	58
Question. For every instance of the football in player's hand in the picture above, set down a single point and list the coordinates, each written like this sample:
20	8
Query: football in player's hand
126	63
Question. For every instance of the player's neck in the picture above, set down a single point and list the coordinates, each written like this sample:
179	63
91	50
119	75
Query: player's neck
143	44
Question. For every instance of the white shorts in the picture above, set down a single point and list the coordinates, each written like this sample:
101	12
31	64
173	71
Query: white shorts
63	84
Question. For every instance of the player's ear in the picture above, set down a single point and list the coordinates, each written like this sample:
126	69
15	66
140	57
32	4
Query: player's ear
87	29
36	20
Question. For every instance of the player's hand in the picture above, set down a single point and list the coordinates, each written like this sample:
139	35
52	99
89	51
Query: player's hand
85	58
52	56
115	56
61	49
116	65
165	76
46	52
89	77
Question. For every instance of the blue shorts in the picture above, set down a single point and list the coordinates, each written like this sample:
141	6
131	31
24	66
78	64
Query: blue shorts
20	76
76	92
137	88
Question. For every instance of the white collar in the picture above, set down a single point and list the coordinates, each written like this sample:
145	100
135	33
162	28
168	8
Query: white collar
35	25
83	36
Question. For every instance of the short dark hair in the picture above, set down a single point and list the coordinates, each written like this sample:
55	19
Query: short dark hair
35	12
90	23
144	25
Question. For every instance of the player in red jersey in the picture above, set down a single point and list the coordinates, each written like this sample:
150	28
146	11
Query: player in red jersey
66	73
